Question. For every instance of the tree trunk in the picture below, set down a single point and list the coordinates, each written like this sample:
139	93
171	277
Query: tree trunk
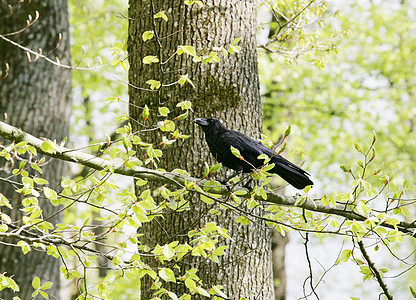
279	243
36	96
228	90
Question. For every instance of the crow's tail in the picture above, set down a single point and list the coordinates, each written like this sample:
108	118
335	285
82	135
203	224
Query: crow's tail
290	172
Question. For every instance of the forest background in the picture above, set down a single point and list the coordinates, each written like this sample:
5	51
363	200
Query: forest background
344	82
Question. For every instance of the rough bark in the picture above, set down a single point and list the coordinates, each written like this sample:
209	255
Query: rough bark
36	98
228	90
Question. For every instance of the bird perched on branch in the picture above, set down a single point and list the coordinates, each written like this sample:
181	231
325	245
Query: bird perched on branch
220	139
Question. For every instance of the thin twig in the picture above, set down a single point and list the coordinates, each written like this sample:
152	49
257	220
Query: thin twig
375	271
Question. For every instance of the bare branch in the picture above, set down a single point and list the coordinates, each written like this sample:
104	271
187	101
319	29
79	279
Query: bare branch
375	271
40	55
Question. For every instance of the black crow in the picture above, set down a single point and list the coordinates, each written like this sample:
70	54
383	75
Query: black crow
220	140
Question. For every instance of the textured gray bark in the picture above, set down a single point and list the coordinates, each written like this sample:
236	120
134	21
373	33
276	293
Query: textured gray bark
36	97
228	90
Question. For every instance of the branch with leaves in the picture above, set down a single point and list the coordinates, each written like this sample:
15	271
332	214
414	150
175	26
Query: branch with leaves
51	149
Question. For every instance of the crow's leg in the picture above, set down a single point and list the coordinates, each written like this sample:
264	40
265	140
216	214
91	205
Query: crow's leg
247	185
224	182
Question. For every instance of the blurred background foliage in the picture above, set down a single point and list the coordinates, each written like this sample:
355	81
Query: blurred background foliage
367	85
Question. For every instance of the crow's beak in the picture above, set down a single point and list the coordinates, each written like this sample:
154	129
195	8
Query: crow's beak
201	122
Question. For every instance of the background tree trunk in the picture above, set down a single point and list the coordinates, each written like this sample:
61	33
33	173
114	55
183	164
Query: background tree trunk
279	272
228	90
36	96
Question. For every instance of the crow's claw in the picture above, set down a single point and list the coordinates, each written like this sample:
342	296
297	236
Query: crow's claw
224	182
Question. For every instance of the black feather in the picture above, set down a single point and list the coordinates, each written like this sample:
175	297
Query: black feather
220	139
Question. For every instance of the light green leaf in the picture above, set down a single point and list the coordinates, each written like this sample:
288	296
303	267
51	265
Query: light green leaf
50	193
47	285
24	246
162	15
40	180
145	113
235	152
413	291
154	84
190	284
148	35
167	274
163	111
150	59
47	146
36	282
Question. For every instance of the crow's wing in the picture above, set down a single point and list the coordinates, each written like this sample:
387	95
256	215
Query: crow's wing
249	149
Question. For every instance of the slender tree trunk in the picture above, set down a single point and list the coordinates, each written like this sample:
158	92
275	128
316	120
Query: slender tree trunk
228	90
279	243
36	96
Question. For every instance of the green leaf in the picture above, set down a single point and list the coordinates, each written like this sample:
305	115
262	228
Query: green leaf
220	250
50	193
162	15
148	35
413	291
40	181
47	146
21	144
211	226
235	152
234	49
288	130
167	125
206	199
47	285
36	282
140	182
345	167
181	116
186	49
163	111
185	105
184	78
334	223
36	167
150	59
325	200
167	274
190	284
215	168
243	220
191	2
44	295
236	41
190	50
216	290
32	149
168	252
154	84
145	113
202	291
345	255
7	282
25	246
